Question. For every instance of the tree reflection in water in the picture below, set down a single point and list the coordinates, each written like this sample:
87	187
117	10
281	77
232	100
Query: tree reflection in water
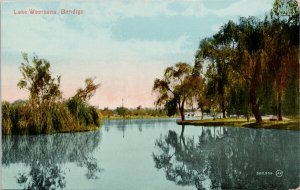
46	154
230	158
43	177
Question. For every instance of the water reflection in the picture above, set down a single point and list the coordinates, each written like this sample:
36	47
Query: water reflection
43	176
45	155
137	122
230	158
141	124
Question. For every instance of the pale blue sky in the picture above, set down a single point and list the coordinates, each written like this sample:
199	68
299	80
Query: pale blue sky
125	44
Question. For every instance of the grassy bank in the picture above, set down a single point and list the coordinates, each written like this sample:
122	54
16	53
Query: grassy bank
291	124
25	117
45	110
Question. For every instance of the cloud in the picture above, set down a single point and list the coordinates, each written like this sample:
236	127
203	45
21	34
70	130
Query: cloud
88	45
125	68
245	8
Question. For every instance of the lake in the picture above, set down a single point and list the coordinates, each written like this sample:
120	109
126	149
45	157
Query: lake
153	154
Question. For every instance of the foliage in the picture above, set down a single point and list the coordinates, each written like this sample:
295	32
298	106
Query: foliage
89	90
139	112
71	115
177	85
252	62
218	52
122	111
6	119
45	111
170	106
84	114
291	94
285	10
37	79
106	112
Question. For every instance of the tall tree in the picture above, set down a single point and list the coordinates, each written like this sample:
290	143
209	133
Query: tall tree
242	54
44	94
217	51
249	38
37	79
235	52
176	86
281	38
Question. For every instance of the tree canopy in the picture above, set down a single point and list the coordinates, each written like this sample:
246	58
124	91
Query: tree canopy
37	79
251	62
176	87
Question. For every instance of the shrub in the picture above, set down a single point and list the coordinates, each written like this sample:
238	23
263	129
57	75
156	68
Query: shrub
84	114
6	120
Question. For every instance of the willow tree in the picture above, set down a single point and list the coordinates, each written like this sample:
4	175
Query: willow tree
235	53
249	50
281	33
217	50
272	45
176	87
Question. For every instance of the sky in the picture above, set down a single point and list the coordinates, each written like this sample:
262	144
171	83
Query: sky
125	44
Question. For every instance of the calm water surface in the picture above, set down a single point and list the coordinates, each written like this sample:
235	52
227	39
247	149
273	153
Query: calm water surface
153	154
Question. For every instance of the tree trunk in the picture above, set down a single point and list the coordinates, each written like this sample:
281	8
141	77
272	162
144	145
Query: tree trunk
247	115
255	108
279	105
223	108
181	110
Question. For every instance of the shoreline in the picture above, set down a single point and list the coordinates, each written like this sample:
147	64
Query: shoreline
292	124
136	117
69	130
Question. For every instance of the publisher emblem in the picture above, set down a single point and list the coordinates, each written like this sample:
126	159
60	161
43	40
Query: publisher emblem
279	173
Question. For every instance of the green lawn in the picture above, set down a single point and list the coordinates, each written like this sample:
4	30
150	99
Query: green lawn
291	124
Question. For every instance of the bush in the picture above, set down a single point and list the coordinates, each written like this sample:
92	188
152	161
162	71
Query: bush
71	115
62	118
85	115
6	120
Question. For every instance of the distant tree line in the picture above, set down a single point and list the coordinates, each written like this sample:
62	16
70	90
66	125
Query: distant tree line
251	67
138	112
